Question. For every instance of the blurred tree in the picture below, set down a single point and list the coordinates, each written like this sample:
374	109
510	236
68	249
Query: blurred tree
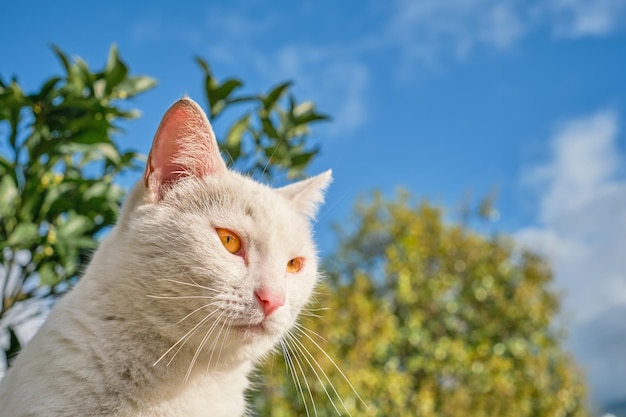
426	319
58	163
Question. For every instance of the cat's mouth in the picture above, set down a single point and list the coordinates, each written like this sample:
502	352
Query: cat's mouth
253	329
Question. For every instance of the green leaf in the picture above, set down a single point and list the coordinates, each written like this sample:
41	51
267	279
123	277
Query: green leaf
75	226
97	190
216	109
90	136
273	96
63	58
223	91
48	88
84	74
268	128
54	195
24	234
301	160
218	95
13	348
115	193
308	118
115	70
47	275
5	165
85	242
31	203
302	108
235	134
242	99
203	64
8	195
110	152
304	113
131	86
90	151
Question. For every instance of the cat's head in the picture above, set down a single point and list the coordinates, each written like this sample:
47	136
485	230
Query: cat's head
228	263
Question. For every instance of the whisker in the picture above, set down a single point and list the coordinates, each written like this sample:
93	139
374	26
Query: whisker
195	311
303	331
294	376
301	328
315	316
306	355
181	346
230	157
192	284
186	340
214	344
309	309
269	160
201	346
328	210
193	329
180	297
229	320
312	312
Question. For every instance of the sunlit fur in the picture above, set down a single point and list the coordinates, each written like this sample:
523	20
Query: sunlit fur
165	321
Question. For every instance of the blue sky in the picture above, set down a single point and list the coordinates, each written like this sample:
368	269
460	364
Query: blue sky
443	97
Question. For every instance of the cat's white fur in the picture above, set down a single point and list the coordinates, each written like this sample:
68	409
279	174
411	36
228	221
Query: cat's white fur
163	279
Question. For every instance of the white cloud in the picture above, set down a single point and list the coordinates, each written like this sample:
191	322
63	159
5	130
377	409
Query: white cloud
426	32
600	345
576	18
581	227
429	31
582	214
430	28
585	160
155	29
330	75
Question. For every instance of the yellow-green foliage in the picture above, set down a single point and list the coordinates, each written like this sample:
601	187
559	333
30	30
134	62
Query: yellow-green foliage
428	319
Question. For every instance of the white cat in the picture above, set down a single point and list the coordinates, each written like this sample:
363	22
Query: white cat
204	272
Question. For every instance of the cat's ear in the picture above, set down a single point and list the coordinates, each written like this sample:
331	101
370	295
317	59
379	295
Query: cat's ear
308	195
184	145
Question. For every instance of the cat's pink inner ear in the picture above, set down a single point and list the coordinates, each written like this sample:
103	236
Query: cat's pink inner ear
184	145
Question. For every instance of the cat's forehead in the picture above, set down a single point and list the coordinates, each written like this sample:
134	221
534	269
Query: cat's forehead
263	205
240	202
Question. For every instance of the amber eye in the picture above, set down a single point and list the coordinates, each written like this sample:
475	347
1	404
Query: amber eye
230	240
295	265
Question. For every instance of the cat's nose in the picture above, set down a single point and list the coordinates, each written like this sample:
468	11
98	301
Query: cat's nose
269	300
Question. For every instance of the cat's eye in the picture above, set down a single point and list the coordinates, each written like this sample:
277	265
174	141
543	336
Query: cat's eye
230	240
295	265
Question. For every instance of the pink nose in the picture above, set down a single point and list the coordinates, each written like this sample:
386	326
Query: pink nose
269	301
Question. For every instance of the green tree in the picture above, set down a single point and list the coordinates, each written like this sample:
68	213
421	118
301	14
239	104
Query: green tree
59	162
57	168
427	319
